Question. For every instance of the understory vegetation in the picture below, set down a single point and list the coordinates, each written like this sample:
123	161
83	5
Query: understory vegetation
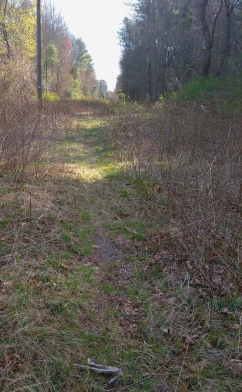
185	156
120	241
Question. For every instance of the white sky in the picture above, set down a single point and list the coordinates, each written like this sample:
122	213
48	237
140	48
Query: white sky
97	23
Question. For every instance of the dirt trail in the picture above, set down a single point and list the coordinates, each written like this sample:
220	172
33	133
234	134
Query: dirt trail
64	275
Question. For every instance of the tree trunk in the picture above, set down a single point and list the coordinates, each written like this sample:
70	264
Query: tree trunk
5	33
208	35
229	6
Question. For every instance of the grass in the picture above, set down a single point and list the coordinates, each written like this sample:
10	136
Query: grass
86	271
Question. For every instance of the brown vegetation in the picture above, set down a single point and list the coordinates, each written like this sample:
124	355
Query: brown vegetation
135	265
187	158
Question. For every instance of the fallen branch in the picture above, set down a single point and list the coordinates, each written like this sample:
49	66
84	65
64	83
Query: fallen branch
101	369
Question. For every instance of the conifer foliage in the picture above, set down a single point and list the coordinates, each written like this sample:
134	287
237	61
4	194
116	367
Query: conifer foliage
167	43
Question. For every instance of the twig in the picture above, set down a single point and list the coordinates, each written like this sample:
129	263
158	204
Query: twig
101	369
180	373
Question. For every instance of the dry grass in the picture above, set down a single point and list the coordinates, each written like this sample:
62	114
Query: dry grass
189	160
25	132
89	269
53	282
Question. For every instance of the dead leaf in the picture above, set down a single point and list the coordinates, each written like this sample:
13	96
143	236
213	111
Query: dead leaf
201	365
206	324
35	282
157	188
196	282
235	368
11	361
157	257
236	326
209	345
168	330
189	265
190	339
66	267
6	359
23	367
191	367
198	367
157	292
121	215
27	240
226	311
30	273
167	269
183	388
163	387
197	327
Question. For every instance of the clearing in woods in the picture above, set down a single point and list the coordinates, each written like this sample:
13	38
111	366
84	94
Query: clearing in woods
85	274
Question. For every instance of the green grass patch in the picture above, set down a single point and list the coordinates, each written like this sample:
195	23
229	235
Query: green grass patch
225	94
78	239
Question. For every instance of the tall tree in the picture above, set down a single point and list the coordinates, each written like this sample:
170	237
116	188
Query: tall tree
167	42
230	6
56	65
208	33
38	36
17	27
84	79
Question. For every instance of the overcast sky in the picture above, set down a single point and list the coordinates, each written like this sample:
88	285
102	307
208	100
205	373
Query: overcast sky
97	23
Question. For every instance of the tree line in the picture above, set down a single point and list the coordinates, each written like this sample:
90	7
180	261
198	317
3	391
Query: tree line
67	67
167	43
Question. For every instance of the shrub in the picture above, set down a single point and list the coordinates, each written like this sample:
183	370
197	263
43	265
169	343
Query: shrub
24	131
204	88
50	97
188	159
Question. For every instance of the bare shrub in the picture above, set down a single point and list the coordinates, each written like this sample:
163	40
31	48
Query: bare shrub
189	157
24	131
85	107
